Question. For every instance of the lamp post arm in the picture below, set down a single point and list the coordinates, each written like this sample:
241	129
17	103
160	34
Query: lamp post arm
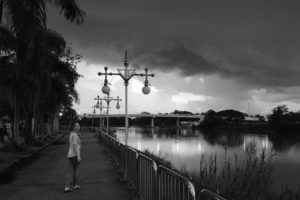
146	74
117	99
152	75
97	98
108	74
112	74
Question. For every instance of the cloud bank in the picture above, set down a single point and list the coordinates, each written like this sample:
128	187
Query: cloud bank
252	44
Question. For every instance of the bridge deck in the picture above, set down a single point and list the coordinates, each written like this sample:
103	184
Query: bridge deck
44	177
150	115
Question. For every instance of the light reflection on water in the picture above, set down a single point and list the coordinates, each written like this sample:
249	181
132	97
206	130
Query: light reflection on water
184	148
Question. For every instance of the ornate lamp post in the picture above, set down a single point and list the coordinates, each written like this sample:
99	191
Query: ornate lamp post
108	99
93	114
126	74
100	106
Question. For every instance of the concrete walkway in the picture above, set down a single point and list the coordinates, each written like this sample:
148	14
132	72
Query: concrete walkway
44	177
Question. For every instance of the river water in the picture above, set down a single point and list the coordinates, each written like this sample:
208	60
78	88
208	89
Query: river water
184	148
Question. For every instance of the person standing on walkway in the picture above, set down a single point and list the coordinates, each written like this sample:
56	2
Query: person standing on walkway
74	159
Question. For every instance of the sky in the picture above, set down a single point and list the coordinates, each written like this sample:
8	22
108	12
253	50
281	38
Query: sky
205	54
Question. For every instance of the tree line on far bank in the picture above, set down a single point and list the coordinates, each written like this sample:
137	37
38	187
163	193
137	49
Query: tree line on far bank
281	119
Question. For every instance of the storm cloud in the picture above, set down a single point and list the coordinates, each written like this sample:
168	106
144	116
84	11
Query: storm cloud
187	61
256	43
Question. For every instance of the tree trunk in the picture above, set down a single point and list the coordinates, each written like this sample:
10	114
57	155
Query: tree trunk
55	124
49	125
16	117
28	135
16	123
34	125
1	11
42	126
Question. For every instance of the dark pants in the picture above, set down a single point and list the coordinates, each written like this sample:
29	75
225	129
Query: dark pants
71	176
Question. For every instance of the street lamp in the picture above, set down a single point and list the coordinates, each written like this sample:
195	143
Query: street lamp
108	99
126	74
100	106
94	112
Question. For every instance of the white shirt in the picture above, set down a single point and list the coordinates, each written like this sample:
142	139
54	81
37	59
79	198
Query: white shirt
75	145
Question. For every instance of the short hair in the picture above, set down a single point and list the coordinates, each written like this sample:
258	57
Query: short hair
76	124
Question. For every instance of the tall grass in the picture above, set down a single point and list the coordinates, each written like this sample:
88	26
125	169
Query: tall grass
248	177
244	177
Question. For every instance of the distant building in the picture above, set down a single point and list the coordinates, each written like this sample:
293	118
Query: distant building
251	120
145	113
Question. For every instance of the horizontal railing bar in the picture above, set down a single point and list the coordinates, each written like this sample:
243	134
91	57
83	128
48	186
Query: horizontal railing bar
172	172
210	194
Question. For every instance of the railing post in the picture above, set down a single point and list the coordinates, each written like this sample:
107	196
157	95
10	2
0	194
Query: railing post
154	183
152	122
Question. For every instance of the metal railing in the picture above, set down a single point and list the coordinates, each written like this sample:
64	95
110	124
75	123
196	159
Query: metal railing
65	128
173	186
209	195
132	166
149	181
87	128
147	177
119	155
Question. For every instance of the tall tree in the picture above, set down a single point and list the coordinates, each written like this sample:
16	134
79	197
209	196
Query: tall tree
25	24
59	83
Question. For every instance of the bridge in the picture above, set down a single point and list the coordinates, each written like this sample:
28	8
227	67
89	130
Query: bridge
152	116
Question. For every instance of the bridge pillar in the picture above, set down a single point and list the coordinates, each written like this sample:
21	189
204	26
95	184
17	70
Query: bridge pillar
152	122
177	122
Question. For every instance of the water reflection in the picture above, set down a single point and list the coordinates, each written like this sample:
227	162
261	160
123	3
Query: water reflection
226	140
277	142
261	141
283	142
184	147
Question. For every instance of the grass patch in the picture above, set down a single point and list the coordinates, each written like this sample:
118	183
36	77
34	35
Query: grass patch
159	159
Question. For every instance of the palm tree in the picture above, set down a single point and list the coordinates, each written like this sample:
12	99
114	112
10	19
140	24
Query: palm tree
25	26
59	82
